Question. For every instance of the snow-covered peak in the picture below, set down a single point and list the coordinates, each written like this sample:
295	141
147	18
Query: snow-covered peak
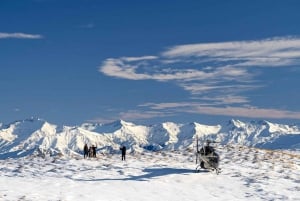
106	128
206	129
25	137
236	123
22	127
288	129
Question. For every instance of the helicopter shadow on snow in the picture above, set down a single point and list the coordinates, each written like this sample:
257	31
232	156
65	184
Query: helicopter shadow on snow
150	173
159	172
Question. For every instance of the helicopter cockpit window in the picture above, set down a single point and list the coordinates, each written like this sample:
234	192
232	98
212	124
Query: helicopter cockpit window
208	149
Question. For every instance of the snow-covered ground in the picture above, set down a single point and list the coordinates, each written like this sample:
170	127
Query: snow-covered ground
247	174
42	161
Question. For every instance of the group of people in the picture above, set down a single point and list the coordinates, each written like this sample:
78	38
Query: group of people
91	151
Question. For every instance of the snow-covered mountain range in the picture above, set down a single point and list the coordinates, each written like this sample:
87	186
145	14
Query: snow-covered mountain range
37	136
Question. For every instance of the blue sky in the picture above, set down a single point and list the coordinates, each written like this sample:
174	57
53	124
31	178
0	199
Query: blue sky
77	61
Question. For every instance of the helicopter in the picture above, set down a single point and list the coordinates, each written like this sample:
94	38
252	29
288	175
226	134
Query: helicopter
206	157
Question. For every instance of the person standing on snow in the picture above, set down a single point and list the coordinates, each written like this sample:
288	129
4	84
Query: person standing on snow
94	151
85	151
123	150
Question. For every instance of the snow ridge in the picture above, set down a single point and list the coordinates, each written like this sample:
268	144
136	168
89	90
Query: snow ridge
37	136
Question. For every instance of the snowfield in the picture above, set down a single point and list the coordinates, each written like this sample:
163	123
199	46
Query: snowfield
41	161
247	174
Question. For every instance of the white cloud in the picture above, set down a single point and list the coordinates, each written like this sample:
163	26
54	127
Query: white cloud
187	65
215	74
225	100
117	68
162	106
132	115
247	112
207	87
189	62
192	77
138	115
122	68
101	120
20	36
204	109
262	53
128	59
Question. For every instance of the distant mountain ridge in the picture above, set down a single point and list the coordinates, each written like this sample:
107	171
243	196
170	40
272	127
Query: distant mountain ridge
36	136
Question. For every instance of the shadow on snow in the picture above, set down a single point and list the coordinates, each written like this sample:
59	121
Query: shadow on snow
150	173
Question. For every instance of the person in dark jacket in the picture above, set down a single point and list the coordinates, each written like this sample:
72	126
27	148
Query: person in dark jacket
123	150
94	151
85	151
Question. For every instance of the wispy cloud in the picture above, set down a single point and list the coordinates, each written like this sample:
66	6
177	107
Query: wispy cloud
248	112
194	64
118	68
272	52
240	111
128	68
132	115
135	114
139	58
19	36
216	74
